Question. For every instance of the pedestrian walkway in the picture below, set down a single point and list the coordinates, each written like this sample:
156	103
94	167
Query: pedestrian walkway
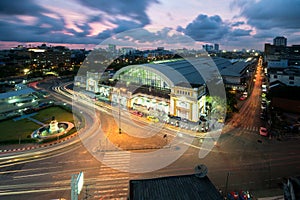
29	116
36	121
113	176
24	116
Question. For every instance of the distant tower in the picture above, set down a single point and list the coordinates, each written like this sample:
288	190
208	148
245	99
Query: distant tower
216	47
207	47
280	41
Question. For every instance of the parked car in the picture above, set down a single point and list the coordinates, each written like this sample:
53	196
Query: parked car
221	120
174	117
137	113
263	131
263	117
204	127
152	118
202	118
242	98
244	195
233	195
263	105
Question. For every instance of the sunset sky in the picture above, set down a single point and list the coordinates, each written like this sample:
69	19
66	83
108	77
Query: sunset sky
234	24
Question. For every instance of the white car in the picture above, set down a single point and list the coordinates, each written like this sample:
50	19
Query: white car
263	105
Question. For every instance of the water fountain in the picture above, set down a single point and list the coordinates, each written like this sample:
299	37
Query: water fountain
54	128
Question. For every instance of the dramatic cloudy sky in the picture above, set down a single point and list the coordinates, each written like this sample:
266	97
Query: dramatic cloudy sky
234	24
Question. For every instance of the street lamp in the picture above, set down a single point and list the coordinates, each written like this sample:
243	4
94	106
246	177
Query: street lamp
120	89
120	130
226	185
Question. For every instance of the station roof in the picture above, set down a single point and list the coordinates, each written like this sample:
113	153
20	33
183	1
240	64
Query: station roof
173	188
236	69
179	72
193	71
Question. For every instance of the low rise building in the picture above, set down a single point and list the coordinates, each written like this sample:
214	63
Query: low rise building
17	100
288	75
191	186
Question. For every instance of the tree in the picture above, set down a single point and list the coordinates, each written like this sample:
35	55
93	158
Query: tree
216	106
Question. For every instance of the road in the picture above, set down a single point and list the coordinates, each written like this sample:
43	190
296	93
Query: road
249	165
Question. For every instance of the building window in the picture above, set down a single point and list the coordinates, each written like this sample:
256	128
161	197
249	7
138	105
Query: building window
291	77
275	76
291	82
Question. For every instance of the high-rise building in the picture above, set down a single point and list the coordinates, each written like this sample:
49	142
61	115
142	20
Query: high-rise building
208	47
216	47
280	41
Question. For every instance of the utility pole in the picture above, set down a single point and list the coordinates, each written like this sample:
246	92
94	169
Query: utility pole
226	185
120	130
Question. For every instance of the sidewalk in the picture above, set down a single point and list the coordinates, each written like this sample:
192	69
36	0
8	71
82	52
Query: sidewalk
30	146
269	194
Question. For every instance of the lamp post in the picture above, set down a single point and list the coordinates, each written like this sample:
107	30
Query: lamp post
226	185
120	130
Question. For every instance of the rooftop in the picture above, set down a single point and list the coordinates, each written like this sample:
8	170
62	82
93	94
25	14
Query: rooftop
25	91
236	69
173	188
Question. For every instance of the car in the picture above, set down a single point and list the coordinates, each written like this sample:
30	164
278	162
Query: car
204	127
221	120
263	131
202	118
174	117
233	195
242	98
137	113
184	125
263	105
185	120
263	117
244	195
152	118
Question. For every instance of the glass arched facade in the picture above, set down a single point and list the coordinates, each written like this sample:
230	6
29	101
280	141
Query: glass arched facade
142	76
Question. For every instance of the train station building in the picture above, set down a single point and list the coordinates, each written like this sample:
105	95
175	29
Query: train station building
167	88
170	87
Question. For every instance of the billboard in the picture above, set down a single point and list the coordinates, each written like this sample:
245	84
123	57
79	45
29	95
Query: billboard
79	182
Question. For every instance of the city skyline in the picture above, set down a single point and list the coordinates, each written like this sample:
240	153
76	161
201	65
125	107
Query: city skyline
84	24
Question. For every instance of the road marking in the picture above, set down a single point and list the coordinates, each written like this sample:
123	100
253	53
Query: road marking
113	184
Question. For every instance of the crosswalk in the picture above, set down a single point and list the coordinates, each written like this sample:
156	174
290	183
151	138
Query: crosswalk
241	127
113	176
250	128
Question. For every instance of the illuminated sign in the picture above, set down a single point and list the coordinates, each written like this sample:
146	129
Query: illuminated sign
79	182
